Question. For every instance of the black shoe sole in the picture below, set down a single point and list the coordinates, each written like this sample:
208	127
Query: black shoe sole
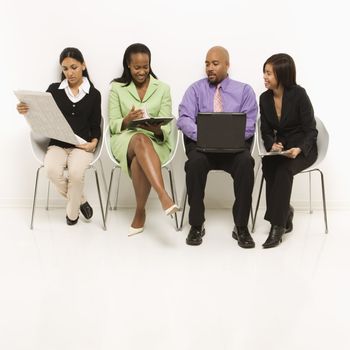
272	245
246	246
194	242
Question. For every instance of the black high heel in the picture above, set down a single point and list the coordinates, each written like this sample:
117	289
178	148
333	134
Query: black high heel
71	222
275	236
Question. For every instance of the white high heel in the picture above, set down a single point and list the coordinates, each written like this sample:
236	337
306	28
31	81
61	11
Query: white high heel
173	209
134	231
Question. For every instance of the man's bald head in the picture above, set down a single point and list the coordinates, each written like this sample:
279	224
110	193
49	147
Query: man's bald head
217	63
221	52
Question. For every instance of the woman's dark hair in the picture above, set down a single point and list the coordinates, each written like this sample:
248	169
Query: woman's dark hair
77	55
284	69
133	49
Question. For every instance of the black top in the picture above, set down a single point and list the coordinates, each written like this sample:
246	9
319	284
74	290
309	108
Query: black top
297	125
84	117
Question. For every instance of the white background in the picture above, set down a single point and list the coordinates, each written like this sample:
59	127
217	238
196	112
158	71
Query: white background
179	33
72	288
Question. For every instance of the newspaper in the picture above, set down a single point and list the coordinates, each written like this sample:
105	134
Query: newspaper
45	118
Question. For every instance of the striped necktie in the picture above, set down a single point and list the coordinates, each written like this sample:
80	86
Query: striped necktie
218	100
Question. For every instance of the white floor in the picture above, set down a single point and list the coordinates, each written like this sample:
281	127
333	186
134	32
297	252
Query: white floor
72	288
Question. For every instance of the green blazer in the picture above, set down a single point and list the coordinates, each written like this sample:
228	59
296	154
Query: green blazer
157	101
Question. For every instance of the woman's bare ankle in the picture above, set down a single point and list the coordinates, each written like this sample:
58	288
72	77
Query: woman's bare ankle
139	218
166	201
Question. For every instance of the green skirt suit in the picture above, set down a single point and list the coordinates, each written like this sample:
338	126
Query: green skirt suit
157	101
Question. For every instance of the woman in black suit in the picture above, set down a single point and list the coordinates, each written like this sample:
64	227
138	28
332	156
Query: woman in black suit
287	124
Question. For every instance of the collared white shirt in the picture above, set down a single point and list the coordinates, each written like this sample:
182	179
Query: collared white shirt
84	89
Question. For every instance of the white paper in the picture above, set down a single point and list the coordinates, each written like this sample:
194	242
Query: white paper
145	114
45	118
81	141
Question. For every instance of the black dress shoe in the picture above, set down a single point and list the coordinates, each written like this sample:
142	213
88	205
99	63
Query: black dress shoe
275	236
71	222
86	210
289	224
195	235
242	235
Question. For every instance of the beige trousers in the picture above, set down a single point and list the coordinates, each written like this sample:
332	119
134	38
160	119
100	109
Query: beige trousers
74	161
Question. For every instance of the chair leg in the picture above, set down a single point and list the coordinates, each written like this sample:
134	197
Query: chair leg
117	196
323	197
173	195
310	201
258	202
183	208
34	197
103	175
257	169
251	214
109	193
48	194
324	201
100	199
256	173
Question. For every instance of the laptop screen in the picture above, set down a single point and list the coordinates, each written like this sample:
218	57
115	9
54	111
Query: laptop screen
221	132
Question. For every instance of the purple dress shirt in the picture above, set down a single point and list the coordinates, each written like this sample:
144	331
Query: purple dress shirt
199	97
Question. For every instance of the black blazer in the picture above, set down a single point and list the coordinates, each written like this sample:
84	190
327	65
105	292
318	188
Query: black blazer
297	126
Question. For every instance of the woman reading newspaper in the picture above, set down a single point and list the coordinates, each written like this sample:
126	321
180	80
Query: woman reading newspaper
80	103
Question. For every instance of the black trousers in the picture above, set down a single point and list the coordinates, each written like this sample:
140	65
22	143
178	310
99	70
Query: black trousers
279	172
239	165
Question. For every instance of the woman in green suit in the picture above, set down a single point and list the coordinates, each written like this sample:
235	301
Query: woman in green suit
141	150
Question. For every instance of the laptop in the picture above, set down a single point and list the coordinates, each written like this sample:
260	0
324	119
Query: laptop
221	132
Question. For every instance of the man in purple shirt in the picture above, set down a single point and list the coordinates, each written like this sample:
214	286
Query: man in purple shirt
218	93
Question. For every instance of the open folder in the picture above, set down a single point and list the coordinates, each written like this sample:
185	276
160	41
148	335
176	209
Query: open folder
45	118
148	120
274	153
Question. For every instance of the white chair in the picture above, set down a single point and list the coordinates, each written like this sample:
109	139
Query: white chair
185	194
322	147
174	140
39	147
